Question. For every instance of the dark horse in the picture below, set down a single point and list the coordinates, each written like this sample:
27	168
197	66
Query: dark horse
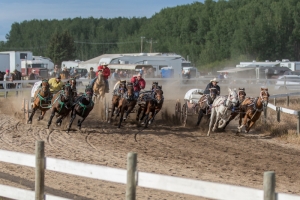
153	106
117	95
40	101
61	103
126	103
204	104
237	110
252	108
82	107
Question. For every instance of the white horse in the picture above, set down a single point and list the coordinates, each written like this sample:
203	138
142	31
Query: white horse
221	110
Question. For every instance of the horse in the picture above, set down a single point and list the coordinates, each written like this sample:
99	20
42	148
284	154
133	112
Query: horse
152	106
118	93
220	109
99	86
204	104
73	83
236	112
252	108
40	101
61	103
82	107
126	103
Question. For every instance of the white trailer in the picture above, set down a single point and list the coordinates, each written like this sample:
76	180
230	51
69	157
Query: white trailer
46	61
157	60
4	62
15	58
69	64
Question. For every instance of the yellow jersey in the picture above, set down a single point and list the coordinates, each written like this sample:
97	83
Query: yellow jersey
54	85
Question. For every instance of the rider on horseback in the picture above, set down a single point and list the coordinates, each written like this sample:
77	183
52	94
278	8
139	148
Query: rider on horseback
242	96
138	84
106	73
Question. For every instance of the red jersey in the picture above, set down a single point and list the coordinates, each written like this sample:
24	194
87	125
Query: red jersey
138	84
105	72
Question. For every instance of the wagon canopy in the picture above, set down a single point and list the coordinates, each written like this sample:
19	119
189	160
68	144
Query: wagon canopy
193	94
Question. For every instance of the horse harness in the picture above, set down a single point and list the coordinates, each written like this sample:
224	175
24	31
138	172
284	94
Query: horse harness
61	103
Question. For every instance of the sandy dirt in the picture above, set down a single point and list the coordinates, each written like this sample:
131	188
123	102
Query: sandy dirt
164	148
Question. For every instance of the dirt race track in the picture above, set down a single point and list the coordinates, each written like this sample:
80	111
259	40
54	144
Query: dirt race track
163	148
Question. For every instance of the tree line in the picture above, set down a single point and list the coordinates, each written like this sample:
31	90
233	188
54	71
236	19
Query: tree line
206	33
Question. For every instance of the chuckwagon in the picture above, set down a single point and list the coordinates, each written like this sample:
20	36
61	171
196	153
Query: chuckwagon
189	108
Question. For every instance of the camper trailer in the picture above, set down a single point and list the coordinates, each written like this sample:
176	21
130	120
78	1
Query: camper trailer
157	60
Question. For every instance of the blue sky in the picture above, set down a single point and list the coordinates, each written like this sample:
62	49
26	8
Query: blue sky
19	10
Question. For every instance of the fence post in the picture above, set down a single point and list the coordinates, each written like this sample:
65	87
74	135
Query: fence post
278	113
298	124
269	185
265	113
39	170
287	100
131	178
274	101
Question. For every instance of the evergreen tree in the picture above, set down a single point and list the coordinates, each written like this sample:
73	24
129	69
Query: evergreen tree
61	47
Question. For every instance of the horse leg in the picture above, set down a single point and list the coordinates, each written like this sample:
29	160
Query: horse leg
32	114
51	117
42	115
242	124
212	117
73	116
249	126
59	120
80	122
199	117
138	113
232	116
216	122
121	117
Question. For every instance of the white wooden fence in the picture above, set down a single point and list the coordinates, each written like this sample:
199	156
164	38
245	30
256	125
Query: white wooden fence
284	110
131	178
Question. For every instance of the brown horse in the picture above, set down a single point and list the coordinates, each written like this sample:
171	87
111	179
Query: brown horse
61	103
153	106
251	109
236	111
82	107
99	86
40	101
126	103
204	104
73	84
118	93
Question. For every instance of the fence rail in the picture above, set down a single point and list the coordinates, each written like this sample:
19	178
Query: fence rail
284	110
134	178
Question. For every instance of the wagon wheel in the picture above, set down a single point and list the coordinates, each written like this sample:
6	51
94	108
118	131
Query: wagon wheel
177	110
184	115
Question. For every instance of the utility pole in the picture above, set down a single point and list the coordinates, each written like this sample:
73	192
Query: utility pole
151	42
142	37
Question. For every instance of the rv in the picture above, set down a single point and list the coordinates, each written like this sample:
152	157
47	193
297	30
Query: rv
47	61
70	64
23	62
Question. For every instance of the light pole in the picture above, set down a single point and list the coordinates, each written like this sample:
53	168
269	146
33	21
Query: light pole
142	37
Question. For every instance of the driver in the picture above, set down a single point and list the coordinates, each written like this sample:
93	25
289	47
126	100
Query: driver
138	84
213	84
55	84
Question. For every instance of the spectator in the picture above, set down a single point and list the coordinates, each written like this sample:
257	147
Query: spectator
221	76
225	75
32	76
66	73
56	71
116	75
7	77
75	74
91	74
16	75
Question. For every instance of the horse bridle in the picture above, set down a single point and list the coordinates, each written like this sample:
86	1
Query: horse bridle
261	96
230	98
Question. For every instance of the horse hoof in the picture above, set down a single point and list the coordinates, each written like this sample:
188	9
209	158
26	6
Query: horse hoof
149	122
79	127
29	122
108	122
208	134
142	123
48	127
